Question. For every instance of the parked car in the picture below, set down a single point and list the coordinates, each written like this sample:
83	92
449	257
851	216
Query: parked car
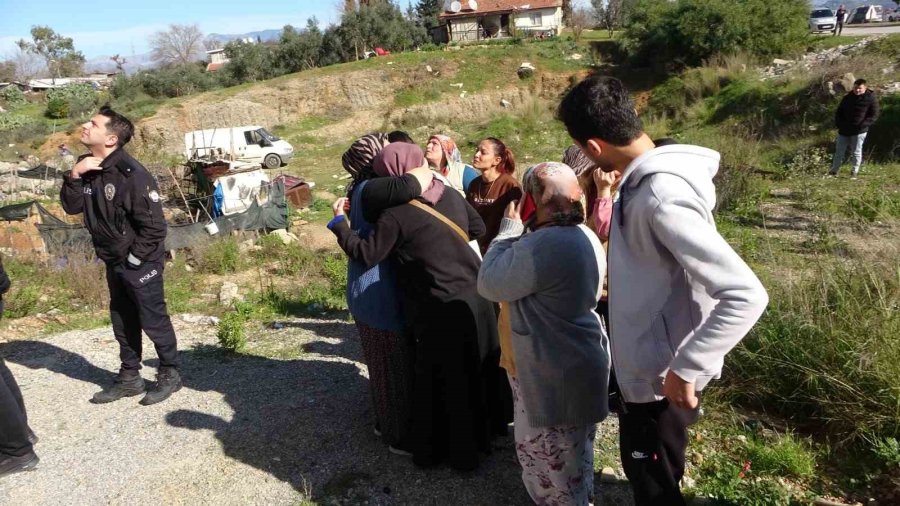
247	143
891	15
822	20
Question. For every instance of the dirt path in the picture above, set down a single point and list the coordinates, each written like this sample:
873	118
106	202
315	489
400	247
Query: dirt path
244	430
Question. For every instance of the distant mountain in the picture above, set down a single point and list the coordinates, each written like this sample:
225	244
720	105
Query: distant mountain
263	35
133	63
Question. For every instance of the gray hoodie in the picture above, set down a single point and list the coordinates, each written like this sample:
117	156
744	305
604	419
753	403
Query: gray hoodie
680	297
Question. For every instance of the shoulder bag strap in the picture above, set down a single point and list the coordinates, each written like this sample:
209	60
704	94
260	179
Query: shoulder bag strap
434	212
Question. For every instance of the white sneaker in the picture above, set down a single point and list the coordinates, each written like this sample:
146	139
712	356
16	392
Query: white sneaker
376	431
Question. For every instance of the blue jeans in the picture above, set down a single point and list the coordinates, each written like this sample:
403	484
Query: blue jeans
855	143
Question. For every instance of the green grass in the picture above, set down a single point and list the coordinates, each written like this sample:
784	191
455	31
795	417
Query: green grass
827	41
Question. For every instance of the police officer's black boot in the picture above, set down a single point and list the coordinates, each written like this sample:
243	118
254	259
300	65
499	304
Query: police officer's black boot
126	384
168	381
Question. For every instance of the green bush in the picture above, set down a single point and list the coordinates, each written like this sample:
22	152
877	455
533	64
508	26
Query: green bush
75	101
231	333
687	32
172	81
12	96
57	108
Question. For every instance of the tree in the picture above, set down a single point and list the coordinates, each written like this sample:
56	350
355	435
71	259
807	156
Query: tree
7	71
427	12
28	65
611	13
120	62
688	32
567	12
179	45
249	62
332	50
57	51
380	24
300	50
579	20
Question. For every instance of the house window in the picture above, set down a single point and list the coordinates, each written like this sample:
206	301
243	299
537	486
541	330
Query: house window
536	19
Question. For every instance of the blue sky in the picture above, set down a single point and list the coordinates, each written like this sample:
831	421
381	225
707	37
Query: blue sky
104	29
107	28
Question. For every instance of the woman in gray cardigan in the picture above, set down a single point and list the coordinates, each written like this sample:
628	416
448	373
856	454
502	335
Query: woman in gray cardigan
551	279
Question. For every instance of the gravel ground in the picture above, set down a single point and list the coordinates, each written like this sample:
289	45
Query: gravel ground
244	430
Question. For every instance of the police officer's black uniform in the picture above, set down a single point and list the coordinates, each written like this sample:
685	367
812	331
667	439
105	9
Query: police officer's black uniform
123	213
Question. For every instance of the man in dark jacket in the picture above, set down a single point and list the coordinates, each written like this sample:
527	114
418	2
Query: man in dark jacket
16	439
121	205
857	112
839	18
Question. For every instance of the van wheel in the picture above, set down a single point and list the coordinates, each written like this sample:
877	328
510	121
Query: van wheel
272	161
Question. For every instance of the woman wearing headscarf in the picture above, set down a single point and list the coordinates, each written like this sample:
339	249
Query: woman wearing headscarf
373	301
550	277
491	192
454	328
16	438
444	158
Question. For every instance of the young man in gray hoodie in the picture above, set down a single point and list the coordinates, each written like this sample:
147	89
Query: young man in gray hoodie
680	297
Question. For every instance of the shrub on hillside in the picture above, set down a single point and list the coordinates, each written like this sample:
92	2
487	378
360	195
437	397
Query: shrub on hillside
75	101
166	82
20	128
686	32
12	96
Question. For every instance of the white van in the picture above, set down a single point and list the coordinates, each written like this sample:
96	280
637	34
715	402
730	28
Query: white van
247	144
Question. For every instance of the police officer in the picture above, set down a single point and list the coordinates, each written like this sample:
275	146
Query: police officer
122	212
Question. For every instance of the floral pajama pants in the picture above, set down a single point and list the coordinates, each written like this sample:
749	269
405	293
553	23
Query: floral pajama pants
557	462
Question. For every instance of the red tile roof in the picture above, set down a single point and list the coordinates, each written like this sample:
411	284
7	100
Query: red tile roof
501	6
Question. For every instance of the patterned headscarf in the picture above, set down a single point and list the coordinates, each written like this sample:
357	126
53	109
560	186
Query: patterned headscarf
448	146
398	158
554	186
357	160
576	159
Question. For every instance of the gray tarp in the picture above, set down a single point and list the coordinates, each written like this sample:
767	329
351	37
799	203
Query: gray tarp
16	212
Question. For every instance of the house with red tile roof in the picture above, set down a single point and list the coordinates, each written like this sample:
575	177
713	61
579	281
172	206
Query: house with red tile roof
472	20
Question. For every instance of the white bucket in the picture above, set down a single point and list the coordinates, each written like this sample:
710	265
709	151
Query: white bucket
212	228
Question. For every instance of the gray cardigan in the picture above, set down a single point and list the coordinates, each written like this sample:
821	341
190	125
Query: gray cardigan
552	279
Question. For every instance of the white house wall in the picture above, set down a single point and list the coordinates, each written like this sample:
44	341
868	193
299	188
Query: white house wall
551	19
464	29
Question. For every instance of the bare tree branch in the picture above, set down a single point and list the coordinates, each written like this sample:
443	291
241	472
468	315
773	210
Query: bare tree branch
179	45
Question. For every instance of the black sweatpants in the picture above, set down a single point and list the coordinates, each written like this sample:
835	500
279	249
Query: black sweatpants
653	439
13	419
137	302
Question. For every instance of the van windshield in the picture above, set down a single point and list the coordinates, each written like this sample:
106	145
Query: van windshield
267	135
822	13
